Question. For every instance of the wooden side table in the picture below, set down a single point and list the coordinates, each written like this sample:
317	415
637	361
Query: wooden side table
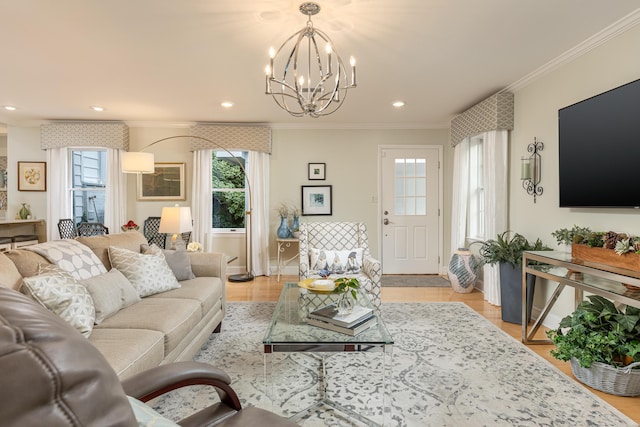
283	245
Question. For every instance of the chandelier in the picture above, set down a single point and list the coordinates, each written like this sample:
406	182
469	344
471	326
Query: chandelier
308	82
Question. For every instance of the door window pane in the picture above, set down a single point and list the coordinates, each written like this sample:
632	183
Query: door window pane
410	186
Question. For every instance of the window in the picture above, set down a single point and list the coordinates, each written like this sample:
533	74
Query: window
475	214
410	187
88	184
229	195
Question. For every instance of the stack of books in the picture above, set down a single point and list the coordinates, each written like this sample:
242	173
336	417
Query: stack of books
360	319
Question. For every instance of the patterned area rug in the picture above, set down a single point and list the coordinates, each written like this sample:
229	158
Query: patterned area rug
430	281
451	367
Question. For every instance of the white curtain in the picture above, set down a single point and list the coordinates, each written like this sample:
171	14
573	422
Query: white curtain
115	198
460	195
58	197
495	190
259	241
201	209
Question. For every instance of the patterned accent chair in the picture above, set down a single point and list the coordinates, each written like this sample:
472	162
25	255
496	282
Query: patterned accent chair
67	229
87	229
341	236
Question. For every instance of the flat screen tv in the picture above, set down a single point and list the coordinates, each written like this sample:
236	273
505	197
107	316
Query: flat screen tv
599	143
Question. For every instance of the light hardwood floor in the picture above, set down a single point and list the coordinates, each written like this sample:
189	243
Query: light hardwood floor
268	289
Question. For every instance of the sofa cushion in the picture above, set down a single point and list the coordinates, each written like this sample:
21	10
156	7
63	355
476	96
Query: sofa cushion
172	316
129	351
100	244
58	291
110	292
206	290
26	262
177	259
149	274
9	275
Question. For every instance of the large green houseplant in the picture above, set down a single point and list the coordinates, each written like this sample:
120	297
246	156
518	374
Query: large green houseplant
600	341
506	251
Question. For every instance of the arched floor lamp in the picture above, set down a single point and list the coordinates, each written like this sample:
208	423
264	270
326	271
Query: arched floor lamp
141	162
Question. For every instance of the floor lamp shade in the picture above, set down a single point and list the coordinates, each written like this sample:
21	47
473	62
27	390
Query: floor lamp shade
137	162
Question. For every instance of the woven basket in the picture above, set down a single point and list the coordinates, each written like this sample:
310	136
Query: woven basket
618	381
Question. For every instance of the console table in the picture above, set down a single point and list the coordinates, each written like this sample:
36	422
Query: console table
283	244
13	227
561	268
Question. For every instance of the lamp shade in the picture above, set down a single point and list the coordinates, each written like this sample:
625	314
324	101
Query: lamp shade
175	220
137	162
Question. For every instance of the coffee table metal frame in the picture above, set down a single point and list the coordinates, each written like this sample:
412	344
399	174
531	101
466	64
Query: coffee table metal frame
289	332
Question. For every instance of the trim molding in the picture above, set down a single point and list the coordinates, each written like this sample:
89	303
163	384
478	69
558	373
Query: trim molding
612	31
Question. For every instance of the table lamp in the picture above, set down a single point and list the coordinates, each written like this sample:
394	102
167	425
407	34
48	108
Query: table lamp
175	220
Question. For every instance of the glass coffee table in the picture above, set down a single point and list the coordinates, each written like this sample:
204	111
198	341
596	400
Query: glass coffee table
353	373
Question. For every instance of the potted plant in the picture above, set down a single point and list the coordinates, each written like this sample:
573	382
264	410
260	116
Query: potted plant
603	345
347	287
506	251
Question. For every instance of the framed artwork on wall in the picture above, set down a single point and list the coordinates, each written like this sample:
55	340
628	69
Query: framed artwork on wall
317	171
32	176
166	183
316	200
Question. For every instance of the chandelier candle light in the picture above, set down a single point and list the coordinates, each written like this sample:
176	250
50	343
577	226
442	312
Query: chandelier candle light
306	85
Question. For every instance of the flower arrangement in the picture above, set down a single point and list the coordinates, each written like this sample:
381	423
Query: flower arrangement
194	247
283	210
346	284
621	243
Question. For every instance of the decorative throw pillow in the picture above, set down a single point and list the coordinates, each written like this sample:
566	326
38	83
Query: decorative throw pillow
71	256
110	292
59	292
336	262
147	417
178	260
149	274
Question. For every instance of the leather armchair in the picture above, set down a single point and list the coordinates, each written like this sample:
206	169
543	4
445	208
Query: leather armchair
51	375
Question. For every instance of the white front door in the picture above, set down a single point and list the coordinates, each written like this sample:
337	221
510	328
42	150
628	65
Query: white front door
410	204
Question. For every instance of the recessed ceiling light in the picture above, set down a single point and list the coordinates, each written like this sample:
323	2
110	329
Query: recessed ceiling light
97	108
227	104
10	108
398	104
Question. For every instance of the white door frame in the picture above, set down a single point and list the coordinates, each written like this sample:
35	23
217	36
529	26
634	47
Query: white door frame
440	197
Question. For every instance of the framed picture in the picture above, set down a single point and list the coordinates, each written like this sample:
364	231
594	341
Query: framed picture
316	200
166	183
32	176
317	171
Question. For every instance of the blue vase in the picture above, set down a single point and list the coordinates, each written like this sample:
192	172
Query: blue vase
296	224
283	231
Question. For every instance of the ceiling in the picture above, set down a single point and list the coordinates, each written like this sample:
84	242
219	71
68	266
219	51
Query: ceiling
172	62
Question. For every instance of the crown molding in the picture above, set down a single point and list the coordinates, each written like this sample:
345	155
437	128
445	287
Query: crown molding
612	31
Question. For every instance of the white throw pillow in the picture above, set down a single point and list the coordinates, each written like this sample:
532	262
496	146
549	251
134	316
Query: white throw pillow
58	291
336	262
110	292
149	274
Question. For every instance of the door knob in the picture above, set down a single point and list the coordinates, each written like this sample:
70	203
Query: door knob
385	221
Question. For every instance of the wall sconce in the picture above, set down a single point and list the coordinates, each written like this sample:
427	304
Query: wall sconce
530	169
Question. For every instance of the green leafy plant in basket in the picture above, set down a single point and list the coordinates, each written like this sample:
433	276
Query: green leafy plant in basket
506	249
346	284
597	331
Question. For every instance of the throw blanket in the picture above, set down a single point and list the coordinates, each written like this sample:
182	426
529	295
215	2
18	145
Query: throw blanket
71	256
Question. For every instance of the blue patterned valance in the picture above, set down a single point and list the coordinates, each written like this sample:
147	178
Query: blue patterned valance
494	113
85	134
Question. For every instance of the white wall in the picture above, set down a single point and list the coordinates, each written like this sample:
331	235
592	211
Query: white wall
536	115
23	145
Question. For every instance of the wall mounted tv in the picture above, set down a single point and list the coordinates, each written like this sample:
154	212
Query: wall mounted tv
599	143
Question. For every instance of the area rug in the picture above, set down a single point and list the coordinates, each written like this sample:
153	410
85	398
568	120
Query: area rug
430	281
451	367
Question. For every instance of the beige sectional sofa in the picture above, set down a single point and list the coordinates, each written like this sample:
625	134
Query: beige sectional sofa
158	329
